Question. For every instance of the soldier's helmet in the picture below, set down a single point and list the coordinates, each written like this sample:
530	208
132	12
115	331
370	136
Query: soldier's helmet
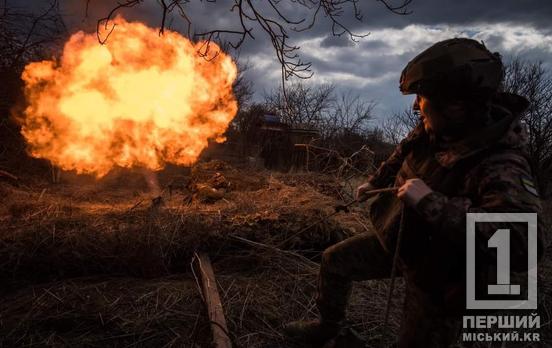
454	67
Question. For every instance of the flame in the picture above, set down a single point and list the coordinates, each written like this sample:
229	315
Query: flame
139	100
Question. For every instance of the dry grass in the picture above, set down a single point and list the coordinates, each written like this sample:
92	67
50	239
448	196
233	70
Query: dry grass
99	312
167	311
79	261
70	232
93	264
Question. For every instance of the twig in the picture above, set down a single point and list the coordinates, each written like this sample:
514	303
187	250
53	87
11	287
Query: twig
275	23
337	210
266	246
135	206
8	175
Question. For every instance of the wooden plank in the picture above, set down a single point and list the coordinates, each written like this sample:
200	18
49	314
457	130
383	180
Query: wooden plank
212	300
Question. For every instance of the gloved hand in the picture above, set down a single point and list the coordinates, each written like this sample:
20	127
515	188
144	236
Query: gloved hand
361	194
413	191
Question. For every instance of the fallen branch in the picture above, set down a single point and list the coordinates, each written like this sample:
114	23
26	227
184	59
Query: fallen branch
211	296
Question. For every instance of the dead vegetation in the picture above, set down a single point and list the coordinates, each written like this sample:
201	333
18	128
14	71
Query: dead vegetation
93	264
96	264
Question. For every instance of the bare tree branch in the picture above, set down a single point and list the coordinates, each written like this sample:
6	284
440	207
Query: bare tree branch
105	20
400	9
303	105
533	81
273	21
25	35
397	126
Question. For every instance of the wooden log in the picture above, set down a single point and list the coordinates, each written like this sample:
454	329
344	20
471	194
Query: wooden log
203	267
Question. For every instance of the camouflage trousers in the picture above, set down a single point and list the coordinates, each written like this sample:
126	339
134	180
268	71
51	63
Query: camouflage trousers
424	322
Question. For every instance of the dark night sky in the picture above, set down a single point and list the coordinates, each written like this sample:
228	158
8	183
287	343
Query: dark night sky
370	67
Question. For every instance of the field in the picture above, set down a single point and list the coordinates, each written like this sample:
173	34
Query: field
99	263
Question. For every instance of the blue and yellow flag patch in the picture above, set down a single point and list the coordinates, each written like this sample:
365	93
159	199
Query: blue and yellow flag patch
529	186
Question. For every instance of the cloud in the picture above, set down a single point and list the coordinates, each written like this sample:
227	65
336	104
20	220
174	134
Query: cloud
371	66
535	13
515	39
336	41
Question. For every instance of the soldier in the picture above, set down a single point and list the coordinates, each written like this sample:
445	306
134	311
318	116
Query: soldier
467	155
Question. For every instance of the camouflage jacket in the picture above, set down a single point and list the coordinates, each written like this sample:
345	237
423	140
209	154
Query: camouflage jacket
488	171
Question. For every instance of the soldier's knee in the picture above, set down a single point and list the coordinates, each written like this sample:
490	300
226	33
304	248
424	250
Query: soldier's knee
326	256
329	257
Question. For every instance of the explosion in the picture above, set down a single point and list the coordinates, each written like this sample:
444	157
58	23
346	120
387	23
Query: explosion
138	100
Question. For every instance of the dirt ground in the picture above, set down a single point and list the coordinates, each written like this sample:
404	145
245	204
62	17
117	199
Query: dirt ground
97	263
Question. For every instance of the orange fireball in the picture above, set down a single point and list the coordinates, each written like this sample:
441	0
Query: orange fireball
138	100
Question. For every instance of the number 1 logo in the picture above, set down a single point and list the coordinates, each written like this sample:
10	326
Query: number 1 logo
500	240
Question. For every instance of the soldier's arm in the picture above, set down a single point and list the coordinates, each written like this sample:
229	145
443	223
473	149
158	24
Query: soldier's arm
503	185
387	171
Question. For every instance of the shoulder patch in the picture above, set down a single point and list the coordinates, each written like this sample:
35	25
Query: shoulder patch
529	185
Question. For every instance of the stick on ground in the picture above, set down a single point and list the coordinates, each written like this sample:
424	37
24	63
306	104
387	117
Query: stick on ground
211	296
